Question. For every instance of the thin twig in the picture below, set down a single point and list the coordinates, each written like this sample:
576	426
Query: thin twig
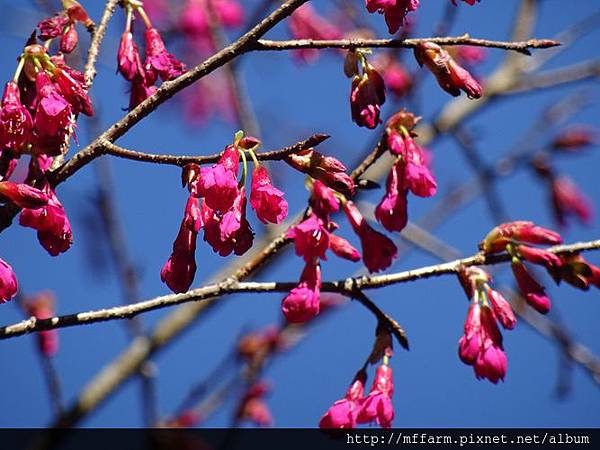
520	47
182	160
98	36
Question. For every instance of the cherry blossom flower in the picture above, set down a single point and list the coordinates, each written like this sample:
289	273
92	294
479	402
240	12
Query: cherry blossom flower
344	413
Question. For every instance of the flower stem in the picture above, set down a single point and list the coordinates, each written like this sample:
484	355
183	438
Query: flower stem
19	68
244	169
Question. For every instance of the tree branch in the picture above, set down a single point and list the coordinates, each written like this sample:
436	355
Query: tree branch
97	37
349	44
348	286
181	160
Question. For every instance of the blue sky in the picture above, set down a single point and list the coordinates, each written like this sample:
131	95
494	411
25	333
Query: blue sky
433	388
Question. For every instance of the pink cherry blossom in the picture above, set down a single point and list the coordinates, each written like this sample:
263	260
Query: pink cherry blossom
395	11
392	209
179	270
129	62
377	406
306	23
8	282
265	199
311	238
344	413
568	200
534	293
366	97
16	125
51	222
302	303
54	118
378	250
158	61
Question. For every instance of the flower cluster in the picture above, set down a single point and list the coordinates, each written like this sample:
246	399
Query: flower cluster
37	117
566	199
222	211
368	90
481	344
451	77
314	236
356	408
40	105
410	172
395	11
214	95
253	406
63	25
195	20
306	23
516	238
397	79
158	61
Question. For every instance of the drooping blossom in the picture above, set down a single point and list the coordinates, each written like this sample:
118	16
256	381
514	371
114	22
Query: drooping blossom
62	25
53	118
568	200
303	302
366	97
378	250
179	270
306	23
449	74
230	231
481	344
253	406
344	413
23	195
391	212
51	222
42	306
218	184
395	11
72	86
265	199
8	282
502	309
129	62
377	405
534	293
311	238
515	232
327	169
141	89
159	62
16	125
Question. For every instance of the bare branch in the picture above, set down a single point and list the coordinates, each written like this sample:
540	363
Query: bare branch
177	160
97	37
347	286
520	47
